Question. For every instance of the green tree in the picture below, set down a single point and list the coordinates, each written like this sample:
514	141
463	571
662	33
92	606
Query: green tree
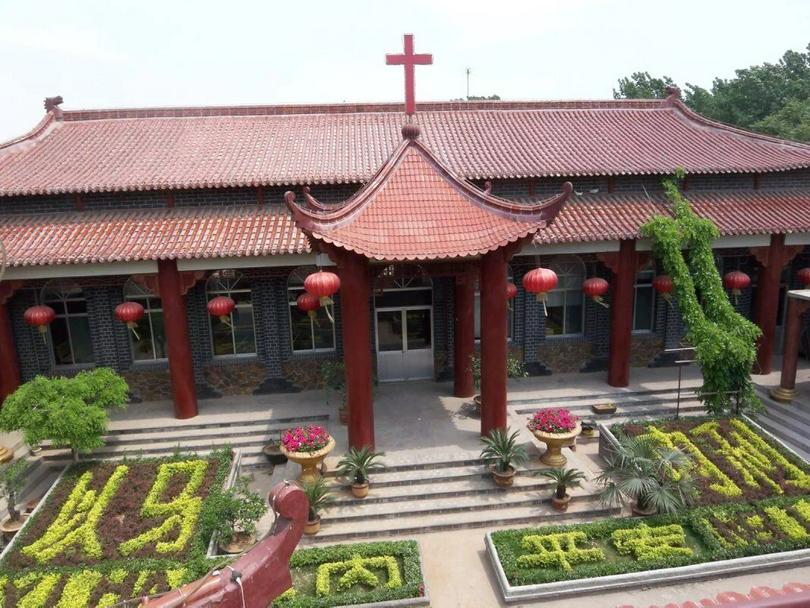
640	85
69	412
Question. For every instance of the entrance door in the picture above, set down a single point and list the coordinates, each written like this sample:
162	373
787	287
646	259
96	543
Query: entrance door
404	343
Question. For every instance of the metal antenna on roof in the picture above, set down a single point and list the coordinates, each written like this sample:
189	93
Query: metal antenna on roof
468	70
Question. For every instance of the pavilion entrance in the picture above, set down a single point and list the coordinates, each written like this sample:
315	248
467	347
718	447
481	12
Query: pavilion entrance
403	304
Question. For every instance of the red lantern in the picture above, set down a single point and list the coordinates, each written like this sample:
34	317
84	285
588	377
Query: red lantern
322	284
511	290
40	317
129	313
804	276
595	288
539	282
309	303
663	285
222	307
736	281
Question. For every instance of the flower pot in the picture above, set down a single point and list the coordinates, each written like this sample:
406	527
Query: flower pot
312	527
360	490
503	480
273	453
10	528
560	504
604	408
310	461
642	512
555	442
238	543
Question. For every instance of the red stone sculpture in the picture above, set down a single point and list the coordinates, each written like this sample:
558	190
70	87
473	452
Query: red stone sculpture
260	575
40	317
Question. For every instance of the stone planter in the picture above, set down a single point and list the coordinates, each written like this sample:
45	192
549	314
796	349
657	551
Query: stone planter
604	408
360	490
503	480
560	504
555	442
636	510
310	461
10	528
312	527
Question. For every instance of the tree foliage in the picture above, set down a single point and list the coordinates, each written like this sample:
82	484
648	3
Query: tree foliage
769	98
724	340
69	412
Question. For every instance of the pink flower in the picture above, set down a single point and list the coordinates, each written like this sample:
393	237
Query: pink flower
305	439
553	420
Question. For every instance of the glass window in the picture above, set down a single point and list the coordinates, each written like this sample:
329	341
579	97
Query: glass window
148	340
236	335
70	330
565	303
308	334
644	302
510	321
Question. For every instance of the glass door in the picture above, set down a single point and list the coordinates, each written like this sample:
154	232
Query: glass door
404	344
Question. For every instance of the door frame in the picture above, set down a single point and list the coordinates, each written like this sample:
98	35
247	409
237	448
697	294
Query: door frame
403	310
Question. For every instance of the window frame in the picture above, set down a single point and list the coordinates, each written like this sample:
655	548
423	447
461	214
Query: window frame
228	284
301	273
57	296
653	300
144	296
560	267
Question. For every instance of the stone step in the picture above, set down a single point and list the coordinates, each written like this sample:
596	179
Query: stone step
479	485
687	390
793	411
213	432
251	458
626	411
794	440
135	427
538	513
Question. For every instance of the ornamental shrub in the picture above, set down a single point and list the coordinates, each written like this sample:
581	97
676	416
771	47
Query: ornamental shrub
238	510
69	412
724	340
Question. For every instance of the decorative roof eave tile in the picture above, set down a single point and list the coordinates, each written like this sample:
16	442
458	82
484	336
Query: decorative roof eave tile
190	148
414	208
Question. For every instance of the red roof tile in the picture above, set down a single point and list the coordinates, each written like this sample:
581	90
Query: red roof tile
120	150
414	209
133	235
202	232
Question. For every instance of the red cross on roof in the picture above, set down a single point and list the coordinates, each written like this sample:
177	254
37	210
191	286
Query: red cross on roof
409	59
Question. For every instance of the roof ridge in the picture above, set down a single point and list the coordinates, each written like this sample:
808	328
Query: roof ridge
351	108
38	130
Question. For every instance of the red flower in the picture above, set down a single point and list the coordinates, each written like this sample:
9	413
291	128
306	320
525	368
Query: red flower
553	420
305	439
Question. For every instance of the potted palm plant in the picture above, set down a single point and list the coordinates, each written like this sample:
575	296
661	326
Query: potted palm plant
319	497
654	478
12	480
502	453
564	478
238	510
356	465
514	369
272	451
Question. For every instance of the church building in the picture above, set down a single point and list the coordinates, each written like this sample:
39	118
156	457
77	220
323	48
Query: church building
173	244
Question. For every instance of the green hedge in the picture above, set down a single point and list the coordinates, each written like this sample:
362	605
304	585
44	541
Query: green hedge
699	536
305	562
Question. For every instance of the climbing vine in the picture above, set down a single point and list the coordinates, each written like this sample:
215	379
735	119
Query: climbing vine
724	340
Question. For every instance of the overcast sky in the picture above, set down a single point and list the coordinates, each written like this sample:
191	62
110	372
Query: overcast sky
123	53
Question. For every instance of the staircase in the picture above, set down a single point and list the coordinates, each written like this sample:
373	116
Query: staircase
790	423
433	497
249	435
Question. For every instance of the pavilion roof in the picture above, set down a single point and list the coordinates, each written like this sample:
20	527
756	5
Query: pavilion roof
126	235
415	209
185	148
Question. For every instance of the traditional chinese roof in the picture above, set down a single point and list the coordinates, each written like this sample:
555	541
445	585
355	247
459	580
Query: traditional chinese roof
210	232
183	148
415	209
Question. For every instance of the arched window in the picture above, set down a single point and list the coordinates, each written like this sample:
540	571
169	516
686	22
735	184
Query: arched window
307	334
70	330
565	302
150	342
644	301
510	311
238	336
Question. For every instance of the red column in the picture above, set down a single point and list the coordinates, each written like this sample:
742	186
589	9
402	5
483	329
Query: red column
463	335
354	295
179	349
493	341
9	364
790	352
621	314
767	304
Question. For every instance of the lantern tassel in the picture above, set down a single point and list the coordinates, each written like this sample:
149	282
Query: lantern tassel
226	319
599	300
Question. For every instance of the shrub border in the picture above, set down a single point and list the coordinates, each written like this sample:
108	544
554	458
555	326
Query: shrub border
410	548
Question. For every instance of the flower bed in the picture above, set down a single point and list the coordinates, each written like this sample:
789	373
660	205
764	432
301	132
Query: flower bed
533	556
553	420
733	461
364	573
305	439
112	531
